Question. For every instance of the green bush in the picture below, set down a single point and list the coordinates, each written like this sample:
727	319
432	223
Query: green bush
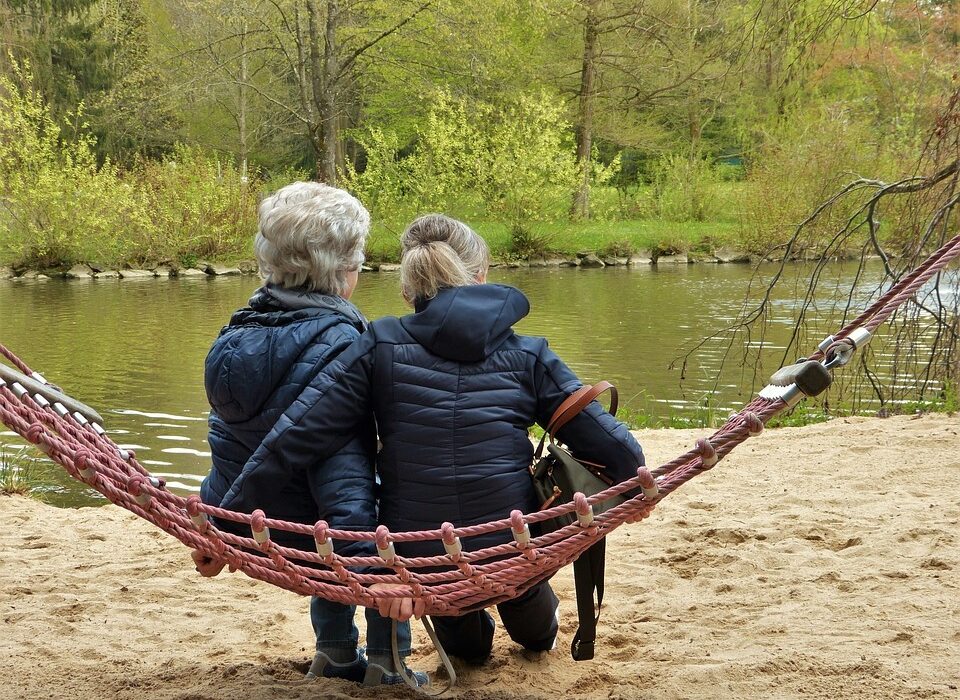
21	472
57	204
202	208
515	162
59	207
803	163
686	188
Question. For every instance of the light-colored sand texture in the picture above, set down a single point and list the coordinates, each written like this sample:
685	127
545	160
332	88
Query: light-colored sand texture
814	562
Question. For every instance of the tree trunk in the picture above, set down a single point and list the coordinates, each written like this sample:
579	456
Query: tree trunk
242	107
588	76
329	113
323	125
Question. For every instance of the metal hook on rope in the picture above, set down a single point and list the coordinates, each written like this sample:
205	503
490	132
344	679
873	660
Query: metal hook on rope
839	352
794	382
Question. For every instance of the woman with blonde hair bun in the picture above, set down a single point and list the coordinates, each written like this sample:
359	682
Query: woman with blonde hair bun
454	390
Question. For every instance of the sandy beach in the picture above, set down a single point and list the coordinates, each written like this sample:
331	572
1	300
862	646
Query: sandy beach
820	562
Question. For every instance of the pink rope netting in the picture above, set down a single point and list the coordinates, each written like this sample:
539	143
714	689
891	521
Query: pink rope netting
447	584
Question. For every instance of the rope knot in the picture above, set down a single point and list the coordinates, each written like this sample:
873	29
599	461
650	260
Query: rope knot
135	486
584	510
648	484
324	545
707	452
198	517
451	543
520	529
258	525
193	506
35	433
84	461
385	547
753	423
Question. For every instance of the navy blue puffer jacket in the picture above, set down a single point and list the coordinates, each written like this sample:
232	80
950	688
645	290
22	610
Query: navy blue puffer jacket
255	370
454	391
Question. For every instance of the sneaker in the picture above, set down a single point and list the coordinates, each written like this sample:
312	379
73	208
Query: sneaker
324	667
378	675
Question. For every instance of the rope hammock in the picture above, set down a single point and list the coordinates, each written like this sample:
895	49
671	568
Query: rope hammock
450	584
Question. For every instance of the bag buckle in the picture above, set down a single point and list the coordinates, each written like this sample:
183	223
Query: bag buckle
549	502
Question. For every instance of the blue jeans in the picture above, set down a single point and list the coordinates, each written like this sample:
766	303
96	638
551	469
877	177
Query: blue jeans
333	625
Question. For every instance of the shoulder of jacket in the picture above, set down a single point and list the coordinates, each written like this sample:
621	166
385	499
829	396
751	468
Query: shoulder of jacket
535	345
388	329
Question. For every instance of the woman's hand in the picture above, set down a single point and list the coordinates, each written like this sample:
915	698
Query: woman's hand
207	566
400	609
642	514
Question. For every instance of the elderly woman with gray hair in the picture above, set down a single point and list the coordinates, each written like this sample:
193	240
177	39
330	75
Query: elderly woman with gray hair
309	247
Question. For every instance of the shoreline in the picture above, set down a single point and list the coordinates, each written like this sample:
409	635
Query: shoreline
812	562
585	260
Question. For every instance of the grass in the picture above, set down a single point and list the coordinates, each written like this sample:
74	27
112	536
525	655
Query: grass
569	237
619	227
20	472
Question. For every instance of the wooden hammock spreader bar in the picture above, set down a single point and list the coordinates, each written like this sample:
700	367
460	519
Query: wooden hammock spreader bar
36	384
457	580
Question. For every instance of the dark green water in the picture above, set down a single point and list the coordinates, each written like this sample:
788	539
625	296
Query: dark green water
135	349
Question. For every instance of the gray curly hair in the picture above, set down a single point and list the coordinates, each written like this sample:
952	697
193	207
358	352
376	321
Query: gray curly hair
310	236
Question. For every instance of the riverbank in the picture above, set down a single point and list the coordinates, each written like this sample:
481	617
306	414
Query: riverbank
201	268
813	562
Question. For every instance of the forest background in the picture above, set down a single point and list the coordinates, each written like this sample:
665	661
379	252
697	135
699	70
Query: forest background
140	132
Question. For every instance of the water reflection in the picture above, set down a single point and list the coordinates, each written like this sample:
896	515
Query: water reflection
135	351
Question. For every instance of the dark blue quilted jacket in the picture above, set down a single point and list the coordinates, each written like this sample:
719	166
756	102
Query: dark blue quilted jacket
454	391
255	370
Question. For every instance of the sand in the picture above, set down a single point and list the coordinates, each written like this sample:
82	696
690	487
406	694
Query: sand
814	562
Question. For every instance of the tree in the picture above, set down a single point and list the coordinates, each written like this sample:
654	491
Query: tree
692	50
62	41
135	116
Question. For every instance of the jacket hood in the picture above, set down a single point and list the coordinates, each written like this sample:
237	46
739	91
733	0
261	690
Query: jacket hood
259	349
467	324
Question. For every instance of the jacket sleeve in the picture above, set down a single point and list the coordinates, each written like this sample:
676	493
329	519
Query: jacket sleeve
323	419
593	435
343	487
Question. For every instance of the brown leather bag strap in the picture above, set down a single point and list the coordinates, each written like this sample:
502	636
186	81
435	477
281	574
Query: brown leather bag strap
572	405
579	400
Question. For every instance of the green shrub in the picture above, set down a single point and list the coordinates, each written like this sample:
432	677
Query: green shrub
803	163
59	207
201	205
19	471
620	248
685	188
515	162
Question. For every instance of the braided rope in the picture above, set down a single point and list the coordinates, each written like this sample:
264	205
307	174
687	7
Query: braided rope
448	584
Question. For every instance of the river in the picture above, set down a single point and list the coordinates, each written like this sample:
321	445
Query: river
135	349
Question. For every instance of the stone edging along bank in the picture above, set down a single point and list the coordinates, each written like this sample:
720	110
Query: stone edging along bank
249	267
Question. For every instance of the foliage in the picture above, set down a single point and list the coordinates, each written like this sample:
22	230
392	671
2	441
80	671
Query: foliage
619	248
531	161
201	205
686	188
517	160
55	198
801	164
470	108
60	207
